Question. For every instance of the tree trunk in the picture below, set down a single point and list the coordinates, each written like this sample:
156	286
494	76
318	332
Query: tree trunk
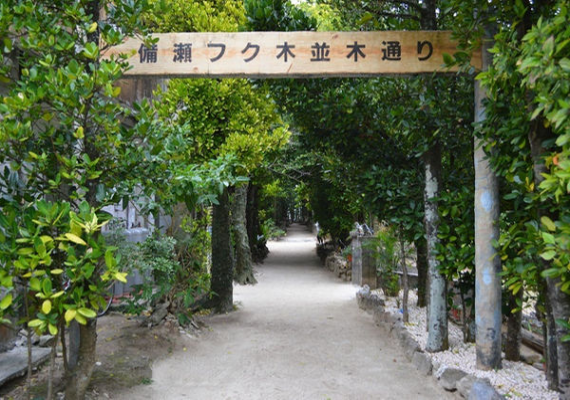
243	268
437	324
79	375
405	286
549	338
28	345
222	263
78	378
52	355
422	266
514	332
468	315
558	301
487	262
251	220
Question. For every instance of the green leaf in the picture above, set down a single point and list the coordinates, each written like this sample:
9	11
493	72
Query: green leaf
365	18
35	284
46	307
548	255
548	46
548	238
87	313
46	239
52	329
35	323
75	239
110	260
6	302
91	50
448	59
92	27
80	319
78	134
550	273
121	277
70	315
47	286
547	222
563	323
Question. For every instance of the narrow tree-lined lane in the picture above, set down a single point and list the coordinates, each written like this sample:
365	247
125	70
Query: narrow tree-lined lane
297	334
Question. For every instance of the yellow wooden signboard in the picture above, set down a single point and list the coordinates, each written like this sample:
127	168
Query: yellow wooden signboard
290	54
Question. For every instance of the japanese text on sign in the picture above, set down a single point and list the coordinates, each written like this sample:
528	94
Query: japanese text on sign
282	54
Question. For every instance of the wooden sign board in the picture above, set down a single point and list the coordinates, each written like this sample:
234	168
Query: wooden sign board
290	54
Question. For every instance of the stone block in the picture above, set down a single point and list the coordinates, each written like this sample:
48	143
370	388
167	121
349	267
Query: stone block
367	300
396	330
378	316
374	301
422	362
482	389
46	340
362	293
464	385
449	378
436	366
529	356
411	346
159	314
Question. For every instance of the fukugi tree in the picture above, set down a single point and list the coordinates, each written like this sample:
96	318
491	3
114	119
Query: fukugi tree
231	116
527	99
66	139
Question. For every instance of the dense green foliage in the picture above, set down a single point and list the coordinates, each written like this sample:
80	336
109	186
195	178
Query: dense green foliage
68	147
60	137
66	150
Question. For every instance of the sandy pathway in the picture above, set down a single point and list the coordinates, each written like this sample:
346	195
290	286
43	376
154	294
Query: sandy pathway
298	334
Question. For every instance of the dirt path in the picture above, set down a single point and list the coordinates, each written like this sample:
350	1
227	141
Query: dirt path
297	334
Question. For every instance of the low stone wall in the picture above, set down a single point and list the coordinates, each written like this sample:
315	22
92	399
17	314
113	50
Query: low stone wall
339	266
451	379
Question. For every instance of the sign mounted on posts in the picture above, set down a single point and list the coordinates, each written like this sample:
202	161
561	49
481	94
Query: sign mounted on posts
290	54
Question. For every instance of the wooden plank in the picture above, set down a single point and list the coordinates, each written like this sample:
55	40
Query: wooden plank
290	54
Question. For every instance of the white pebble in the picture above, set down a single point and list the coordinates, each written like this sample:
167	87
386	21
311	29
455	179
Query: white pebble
515	380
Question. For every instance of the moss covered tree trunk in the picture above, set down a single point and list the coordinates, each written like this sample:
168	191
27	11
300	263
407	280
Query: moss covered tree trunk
222	262
244	265
437	323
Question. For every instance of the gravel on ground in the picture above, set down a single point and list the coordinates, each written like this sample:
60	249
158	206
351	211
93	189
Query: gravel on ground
516	380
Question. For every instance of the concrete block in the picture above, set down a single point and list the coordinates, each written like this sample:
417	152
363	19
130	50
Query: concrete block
14	363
